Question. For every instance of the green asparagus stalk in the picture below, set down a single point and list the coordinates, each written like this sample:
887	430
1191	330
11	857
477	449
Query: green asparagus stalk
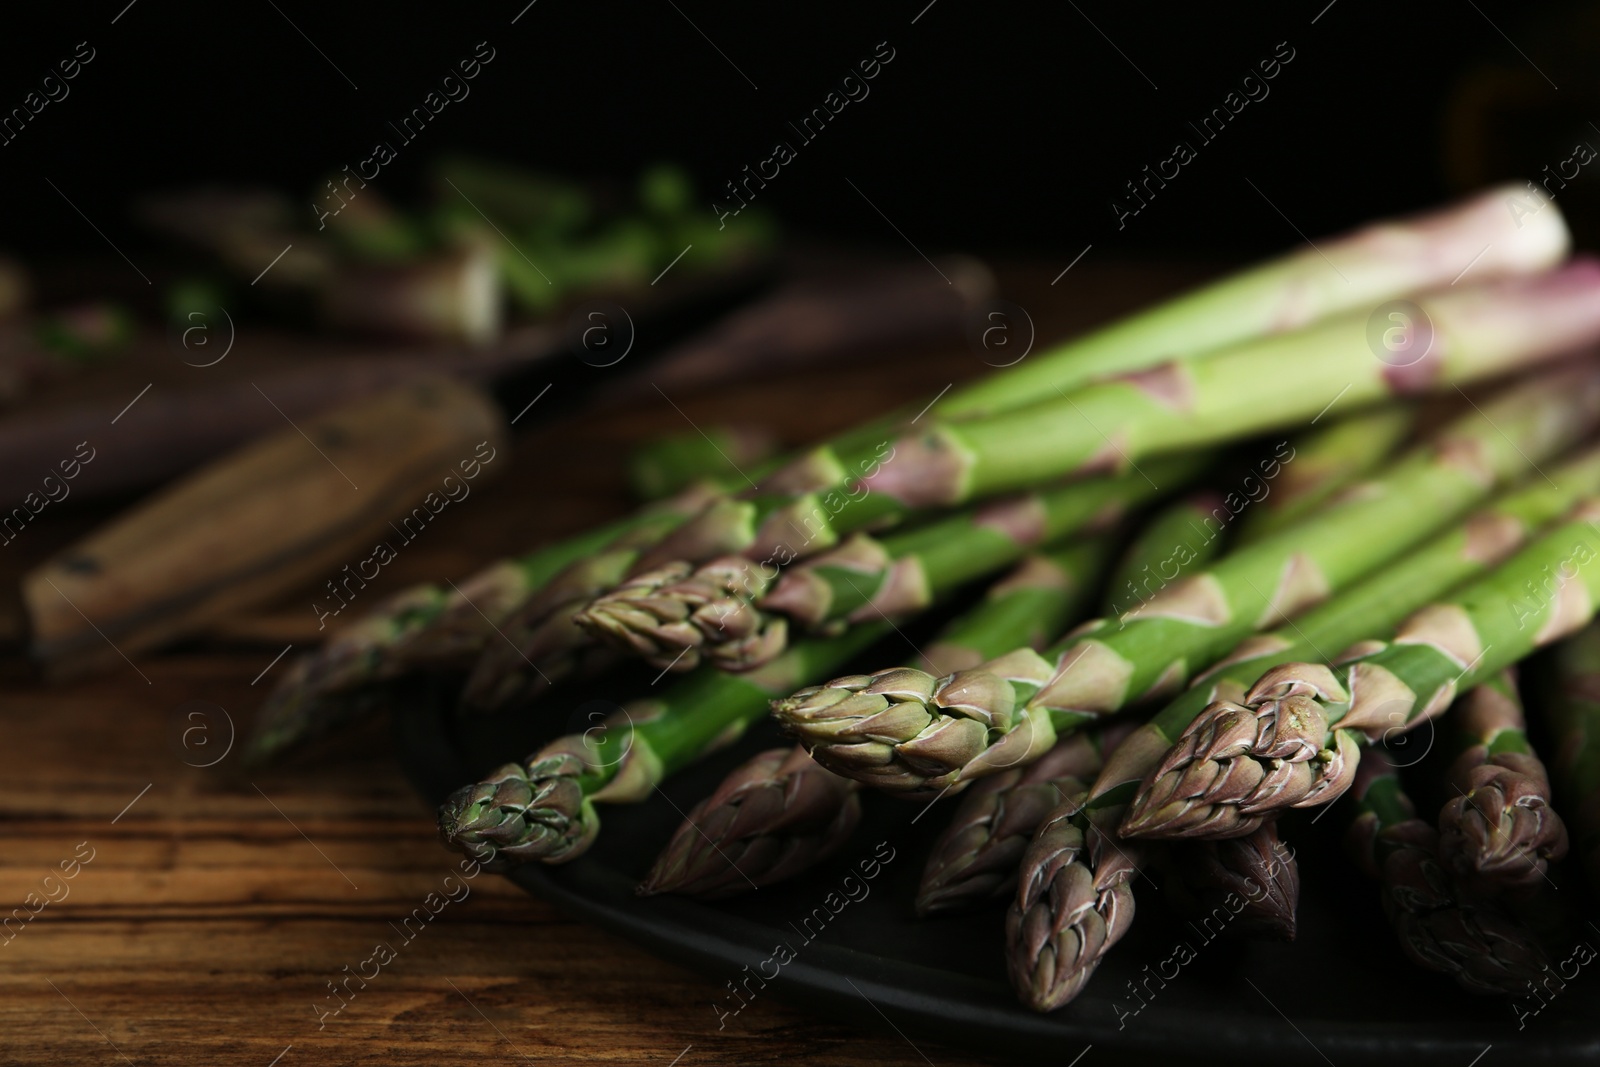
1501	827
543	808
1326	462
1574	717
736	616
1359	271
1253	387
929	739
328	688
780	813
1174	543
671	464
1369	610
538	635
1029	606
1292	740
1442	929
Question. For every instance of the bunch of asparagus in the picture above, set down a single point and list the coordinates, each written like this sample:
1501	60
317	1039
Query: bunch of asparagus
1259	645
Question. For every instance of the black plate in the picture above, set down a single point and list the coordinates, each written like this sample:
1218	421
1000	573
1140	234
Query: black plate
1341	994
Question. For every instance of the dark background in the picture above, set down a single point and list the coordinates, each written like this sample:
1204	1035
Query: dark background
995	128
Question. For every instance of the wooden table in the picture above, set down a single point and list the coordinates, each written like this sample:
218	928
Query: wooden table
218	903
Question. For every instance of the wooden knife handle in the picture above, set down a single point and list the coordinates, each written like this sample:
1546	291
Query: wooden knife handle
293	508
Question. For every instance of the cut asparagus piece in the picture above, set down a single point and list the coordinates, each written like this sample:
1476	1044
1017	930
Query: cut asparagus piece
1292	740
1326	462
1500	827
1471	939
944	740
449	296
780	813
1574	718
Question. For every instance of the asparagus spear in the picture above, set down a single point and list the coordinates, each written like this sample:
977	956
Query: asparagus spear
1361	270
1326	462
1180	539
326	689
1029	606
671	464
735	616
1500	827
676	611
975	860
930	740
1442	929
1271	382
1574	716
1075	899
1074	902
775	816
1250	883
1291	741
543	808
780	813
1368	610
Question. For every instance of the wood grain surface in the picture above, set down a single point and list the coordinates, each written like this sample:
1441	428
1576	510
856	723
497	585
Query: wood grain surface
219	902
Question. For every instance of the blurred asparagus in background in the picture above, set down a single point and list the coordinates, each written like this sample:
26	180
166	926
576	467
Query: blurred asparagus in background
441	273
720	454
